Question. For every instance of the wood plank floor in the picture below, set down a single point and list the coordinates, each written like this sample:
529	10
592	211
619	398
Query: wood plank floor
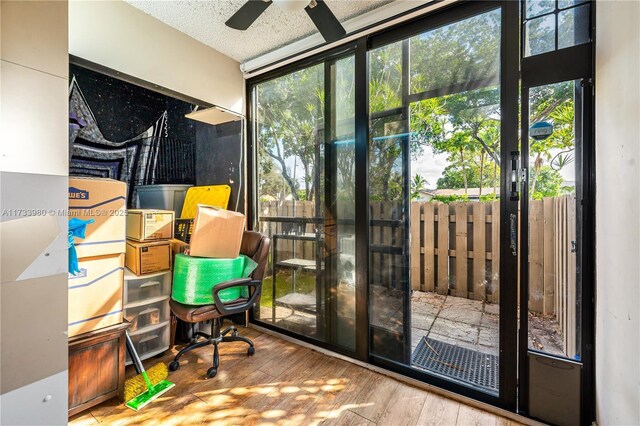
284	384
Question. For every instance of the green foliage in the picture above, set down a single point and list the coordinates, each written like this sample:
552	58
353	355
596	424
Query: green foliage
450	198
290	111
549	184
463	124
487	198
418	183
285	282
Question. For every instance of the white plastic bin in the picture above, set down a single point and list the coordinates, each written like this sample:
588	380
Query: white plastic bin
139	288
163	197
146	315
150	341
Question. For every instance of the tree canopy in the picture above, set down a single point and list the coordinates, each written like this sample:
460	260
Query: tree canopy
454	79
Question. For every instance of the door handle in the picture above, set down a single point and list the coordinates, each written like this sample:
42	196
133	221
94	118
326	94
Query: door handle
513	177
514	234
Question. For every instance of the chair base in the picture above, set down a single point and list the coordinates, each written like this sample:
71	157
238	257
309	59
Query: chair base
215	338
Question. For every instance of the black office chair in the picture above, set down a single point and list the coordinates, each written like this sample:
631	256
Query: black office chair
255	246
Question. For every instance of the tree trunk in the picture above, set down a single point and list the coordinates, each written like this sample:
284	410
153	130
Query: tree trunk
495	178
464	171
536	169
481	170
291	182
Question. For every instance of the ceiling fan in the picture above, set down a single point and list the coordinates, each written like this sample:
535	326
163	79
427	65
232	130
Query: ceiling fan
318	11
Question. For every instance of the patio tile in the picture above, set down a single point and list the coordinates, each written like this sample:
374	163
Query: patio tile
455	330
461	313
452	341
490	321
490	350
420	308
489	337
466	304
428	298
416	335
421	321
492	308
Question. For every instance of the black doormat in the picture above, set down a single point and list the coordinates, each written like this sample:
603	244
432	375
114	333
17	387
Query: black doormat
467	365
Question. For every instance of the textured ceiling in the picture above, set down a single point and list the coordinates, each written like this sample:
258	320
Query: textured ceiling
204	21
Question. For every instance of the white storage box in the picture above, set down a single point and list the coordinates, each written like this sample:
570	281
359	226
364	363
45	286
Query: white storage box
150	341
145	315
163	197
139	288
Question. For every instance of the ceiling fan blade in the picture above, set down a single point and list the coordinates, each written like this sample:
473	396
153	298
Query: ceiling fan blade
247	14
326	22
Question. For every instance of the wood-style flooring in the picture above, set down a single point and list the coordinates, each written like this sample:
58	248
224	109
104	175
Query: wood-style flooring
284	384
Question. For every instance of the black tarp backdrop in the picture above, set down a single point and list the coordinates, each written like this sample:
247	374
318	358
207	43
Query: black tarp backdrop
142	137
124	110
219	159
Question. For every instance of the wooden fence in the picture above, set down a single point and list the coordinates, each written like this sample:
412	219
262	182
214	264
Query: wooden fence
455	250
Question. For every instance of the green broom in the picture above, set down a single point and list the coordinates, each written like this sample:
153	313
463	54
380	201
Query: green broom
153	391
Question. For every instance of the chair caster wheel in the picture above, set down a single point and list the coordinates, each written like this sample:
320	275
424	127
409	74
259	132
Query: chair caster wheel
211	373
174	366
235	333
251	350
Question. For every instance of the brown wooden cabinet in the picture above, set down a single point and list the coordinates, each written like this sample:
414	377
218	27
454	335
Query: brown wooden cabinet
96	367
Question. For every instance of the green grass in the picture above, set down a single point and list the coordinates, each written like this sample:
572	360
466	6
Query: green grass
303	284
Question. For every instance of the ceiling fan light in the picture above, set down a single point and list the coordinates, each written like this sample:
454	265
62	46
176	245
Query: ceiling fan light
291	5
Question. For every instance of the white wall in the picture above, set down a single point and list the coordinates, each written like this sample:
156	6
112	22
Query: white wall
33	178
121	37
618	212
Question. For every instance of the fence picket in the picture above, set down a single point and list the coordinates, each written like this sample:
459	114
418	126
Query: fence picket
415	247
495	252
536	255
549	256
443	249
428	226
460	210
479	251
571	279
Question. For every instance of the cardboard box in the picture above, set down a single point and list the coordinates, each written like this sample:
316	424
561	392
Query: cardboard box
104	201
147	257
149	225
216	233
178	247
95	294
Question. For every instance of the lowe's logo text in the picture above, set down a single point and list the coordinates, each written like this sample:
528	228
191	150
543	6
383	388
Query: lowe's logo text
78	194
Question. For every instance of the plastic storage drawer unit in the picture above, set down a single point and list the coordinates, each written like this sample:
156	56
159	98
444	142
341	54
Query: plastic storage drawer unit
153	312
139	288
150	341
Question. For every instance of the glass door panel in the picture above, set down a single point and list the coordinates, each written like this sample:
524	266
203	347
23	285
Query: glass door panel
554	300
388	215
290	150
340	247
435	153
304	133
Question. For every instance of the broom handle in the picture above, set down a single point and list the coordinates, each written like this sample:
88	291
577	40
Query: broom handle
133	354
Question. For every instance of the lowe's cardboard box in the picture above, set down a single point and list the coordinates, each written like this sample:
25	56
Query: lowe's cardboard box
149	225
216	233
95	293
104	201
148	257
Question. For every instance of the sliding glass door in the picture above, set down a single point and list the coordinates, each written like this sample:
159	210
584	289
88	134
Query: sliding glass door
304	138
435	194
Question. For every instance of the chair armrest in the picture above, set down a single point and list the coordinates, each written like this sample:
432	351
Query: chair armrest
223	308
